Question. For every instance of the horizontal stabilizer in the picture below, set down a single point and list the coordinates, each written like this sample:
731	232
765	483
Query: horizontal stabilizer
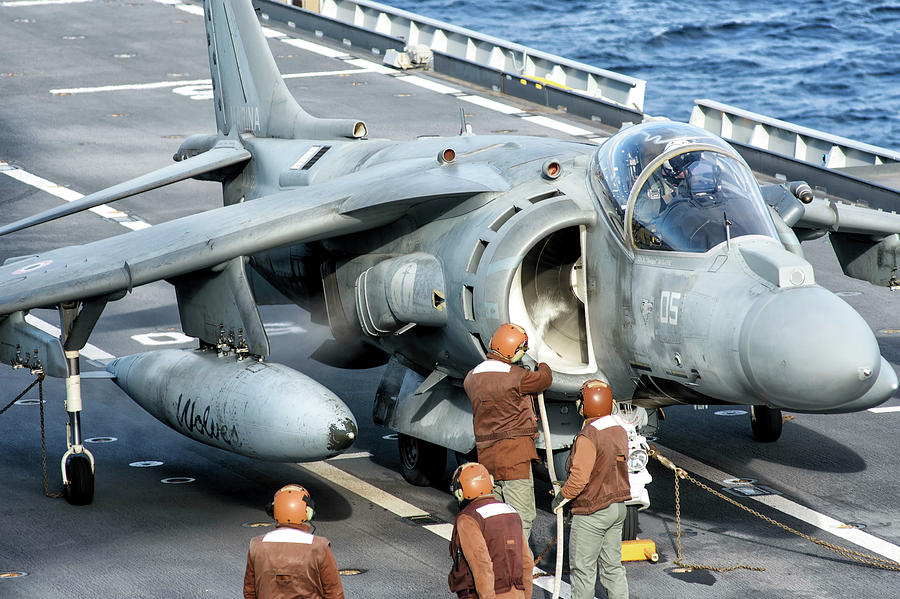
214	159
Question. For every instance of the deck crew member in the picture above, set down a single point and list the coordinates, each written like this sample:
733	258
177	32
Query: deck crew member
490	554
597	486
503	417
290	561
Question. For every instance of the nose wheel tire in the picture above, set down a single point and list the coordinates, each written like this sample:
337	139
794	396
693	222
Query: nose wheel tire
80	488
766	423
630	527
422	463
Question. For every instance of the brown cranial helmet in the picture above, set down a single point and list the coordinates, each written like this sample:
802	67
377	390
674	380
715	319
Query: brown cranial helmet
471	480
293	505
509	342
596	399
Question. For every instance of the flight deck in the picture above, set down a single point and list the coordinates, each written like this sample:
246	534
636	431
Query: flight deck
98	92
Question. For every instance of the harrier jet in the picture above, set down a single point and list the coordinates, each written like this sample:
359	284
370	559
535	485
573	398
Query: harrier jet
655	262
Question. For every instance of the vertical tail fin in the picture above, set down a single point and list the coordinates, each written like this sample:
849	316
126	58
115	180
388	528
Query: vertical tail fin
250	95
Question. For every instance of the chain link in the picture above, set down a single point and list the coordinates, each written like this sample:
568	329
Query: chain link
47	492
864	558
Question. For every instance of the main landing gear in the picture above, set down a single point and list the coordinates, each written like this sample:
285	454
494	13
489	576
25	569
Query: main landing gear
422	463
766	423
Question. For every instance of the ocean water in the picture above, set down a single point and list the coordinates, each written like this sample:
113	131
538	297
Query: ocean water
828	65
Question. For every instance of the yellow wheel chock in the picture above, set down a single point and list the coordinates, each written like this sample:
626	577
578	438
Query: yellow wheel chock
639	550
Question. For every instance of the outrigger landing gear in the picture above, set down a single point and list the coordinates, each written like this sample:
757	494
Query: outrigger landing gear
766	423
77	463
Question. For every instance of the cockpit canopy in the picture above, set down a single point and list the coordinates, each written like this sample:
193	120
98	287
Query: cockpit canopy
672	186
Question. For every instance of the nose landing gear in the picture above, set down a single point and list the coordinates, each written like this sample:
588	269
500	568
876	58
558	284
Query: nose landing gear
766	423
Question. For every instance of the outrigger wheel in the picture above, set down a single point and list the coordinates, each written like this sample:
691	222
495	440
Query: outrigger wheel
766	423
78	489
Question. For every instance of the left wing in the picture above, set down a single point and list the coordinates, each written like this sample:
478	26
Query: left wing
222	156
354	202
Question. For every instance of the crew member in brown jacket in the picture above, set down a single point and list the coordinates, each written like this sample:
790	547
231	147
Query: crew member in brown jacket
503	417
490	554
597	487
290	561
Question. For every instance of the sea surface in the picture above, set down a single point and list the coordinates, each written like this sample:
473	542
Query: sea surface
828	65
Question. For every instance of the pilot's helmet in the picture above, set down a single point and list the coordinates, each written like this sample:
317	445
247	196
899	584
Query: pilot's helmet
673	168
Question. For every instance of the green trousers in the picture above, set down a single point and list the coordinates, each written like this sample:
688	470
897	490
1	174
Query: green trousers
594	537
519	494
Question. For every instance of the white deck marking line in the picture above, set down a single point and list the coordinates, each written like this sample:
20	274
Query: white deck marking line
351	456
885	410
786	506
557	125
16	3
64	193
401	508
314	48
165	84
491	104
91	352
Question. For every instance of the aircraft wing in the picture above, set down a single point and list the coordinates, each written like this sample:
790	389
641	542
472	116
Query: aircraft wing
216	158
355	202
865	240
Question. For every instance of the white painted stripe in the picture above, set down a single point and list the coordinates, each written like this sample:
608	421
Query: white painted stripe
805	514
16	3
129	86
179	83
314	48
371	66
135	225
91	352
395	505
50	187
428	84
885	410
442	530
69	195
324	73
272	33
491	104
351	456
403	509
557	125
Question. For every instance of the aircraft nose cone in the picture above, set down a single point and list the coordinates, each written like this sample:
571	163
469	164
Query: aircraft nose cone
807	349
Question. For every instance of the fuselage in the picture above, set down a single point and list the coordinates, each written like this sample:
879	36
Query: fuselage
741	321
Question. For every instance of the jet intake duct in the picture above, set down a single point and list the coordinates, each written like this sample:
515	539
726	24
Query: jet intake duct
401	292
257	409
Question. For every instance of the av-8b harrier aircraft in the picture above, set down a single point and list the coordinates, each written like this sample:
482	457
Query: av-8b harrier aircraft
655	262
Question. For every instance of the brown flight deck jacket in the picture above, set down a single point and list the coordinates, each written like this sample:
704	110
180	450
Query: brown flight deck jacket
503	415
598	467
491	558
291	562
